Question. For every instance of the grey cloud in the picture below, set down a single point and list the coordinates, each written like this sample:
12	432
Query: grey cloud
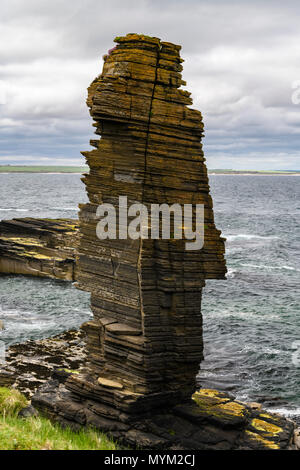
241	58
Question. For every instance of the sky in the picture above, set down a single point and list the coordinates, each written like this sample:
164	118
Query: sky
241	66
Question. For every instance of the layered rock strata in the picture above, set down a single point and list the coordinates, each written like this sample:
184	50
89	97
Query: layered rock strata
39	247
145	342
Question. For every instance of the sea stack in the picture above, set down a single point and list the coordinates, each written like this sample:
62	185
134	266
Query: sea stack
144	344
145	341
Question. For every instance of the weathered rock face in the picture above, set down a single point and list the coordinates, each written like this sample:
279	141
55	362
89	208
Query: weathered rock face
145	342
39	247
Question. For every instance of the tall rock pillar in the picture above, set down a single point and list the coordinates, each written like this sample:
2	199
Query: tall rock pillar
145	340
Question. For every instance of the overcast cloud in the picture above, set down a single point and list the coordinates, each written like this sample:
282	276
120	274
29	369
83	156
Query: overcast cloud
241	60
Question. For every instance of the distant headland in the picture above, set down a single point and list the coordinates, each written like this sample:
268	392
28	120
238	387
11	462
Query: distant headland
83	169
42	169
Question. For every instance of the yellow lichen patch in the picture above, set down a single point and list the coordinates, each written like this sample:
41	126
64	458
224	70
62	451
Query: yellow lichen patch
266	415
268	428
233	408
23	241
209	397
33	254
72	226
69	371
264	442
206	401
209	392
221	409
57	227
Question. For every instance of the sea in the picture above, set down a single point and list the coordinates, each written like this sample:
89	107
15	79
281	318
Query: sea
251	319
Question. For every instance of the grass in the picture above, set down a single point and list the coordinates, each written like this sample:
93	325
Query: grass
39	433
11	402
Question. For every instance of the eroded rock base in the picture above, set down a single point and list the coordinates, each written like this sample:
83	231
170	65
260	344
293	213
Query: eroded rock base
210	421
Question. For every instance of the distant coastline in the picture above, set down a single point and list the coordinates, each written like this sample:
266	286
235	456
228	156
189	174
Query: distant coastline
254	172
42	169
51	169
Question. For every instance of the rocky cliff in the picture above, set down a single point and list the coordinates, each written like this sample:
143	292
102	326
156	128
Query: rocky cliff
39	247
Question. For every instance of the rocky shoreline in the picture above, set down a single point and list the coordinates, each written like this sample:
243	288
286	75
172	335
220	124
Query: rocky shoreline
212	420
28	365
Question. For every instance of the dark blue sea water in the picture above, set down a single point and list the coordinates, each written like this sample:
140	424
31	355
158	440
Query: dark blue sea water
251	320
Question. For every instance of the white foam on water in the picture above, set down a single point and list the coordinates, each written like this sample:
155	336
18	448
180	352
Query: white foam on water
287	412
80	310
289	268
66	208
248	315
264	266
270	351
14	210
24	320
249	237
231	273
12	313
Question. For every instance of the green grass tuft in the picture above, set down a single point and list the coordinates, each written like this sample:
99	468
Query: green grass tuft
39	433
11	401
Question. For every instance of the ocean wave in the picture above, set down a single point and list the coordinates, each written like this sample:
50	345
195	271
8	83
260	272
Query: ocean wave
287	412
249	237
231	273
66	208
267	350
264	266
12	314
249	315
14	210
